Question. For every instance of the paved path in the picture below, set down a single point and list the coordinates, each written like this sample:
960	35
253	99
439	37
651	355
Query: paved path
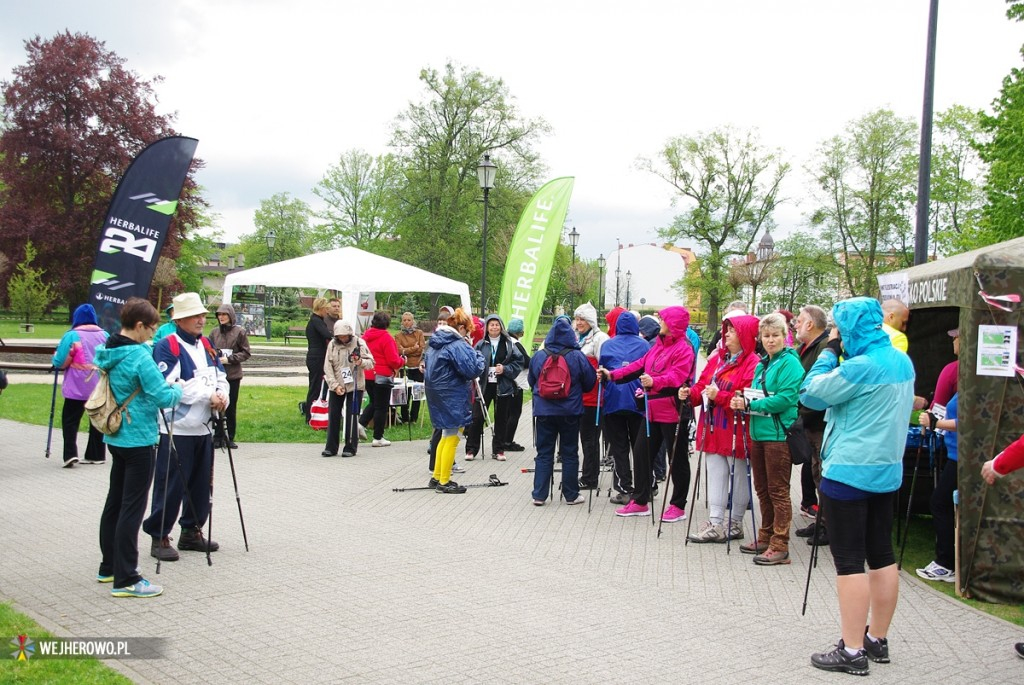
347	581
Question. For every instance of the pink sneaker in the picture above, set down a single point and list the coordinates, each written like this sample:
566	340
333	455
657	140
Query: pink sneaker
634	509
673	514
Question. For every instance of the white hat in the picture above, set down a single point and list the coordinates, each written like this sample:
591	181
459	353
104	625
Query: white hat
187	305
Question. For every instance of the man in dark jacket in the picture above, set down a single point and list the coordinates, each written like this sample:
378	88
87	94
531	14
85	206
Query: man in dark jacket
810	325
232	345
560	419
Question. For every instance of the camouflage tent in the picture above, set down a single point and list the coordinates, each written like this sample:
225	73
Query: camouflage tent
952	293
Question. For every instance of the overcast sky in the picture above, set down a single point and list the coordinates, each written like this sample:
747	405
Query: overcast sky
276	91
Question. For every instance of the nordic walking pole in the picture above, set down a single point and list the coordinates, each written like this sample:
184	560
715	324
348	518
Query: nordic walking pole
812	560
750	473
53	405
209	517
671	457
408	395
238	500
492	482
597	423
910	501
732	479
647	428
535	470
700	457
173	450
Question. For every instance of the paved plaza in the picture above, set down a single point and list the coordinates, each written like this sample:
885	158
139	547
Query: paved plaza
348	581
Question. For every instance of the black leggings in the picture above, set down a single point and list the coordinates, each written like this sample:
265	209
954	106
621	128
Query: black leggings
860	530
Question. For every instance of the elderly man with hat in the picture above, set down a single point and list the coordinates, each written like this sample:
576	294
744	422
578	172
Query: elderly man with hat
184	485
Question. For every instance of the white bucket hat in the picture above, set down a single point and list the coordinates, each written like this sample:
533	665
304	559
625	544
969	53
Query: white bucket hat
187	305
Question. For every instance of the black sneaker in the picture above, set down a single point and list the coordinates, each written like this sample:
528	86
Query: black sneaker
877	650
654	490
514	447
1019	648
805	532
192	539
820	538
450	488
839	660
433	483
587	486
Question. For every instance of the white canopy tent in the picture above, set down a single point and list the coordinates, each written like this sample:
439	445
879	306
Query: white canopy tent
350	271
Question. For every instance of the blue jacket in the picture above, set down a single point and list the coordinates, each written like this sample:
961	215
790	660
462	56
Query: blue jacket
868	399
130	365
450	365
950	437
583	377
627	346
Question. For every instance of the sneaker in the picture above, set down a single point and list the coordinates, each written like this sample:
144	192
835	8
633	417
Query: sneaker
809	511
361	429
654	490
500	456
754	547
433	483
772	557
538	502
805	532
514	447
580	499
584	485
328	453
620	498
736	531
302	408
708	532
347	453
470	456
143	588
1019	648
192	539
934	571
161	549
820	537
634	509
68	463
673	514
450	488
839	660
458	469
93	461
877	650
383	442
100	578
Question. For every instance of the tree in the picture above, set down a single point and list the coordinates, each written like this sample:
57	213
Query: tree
730	186
866	183
357	191
803	272
75	118
28	293
288	218
957	196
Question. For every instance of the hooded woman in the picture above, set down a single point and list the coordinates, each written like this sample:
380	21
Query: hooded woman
591	338
450	365
665	368
75	355
728	371
498	381
348	358
232	345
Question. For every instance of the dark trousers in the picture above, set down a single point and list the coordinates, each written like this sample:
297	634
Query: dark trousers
861	530
377	408
643	448
680	458
435	438
316	376
346	406
566	431
131	472
70	419
590	438
944	516
412	374
501	406
195	454
621	429
229	415
515	411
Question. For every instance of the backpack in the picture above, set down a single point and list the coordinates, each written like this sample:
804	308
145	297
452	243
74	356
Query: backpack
554	381
104	412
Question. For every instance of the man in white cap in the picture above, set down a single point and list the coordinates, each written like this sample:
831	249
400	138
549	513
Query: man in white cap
191	358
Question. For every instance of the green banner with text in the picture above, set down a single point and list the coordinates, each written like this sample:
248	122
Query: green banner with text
528	268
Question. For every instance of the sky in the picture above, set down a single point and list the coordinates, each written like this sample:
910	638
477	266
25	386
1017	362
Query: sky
277	91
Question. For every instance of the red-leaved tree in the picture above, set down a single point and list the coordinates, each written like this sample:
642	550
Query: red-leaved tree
76	117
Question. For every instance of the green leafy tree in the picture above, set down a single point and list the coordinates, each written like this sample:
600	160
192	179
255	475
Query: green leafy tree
729	185
288	218
803	272
957	196
357	191
865	182
28	293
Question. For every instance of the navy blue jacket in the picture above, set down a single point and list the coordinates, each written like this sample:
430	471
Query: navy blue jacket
583	377
627	346
450	365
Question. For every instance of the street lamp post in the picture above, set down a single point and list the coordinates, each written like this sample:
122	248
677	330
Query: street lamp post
574	239
485	172
618	271
271	241
600	283
629	279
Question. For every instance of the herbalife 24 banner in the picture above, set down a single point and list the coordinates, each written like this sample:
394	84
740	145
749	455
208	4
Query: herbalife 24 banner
528	267
136	226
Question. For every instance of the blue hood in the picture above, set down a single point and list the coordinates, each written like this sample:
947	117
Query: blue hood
859	320
85	314
626	324
561	336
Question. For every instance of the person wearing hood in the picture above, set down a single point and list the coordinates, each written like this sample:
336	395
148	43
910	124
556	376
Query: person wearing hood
129	365
868	400
411	345
387	362
623	422
232	343
777	377
665	368
591	338
612	318
75	354
348	358
515	410
726	375
650	326
558	420
498	381
450	365
168	327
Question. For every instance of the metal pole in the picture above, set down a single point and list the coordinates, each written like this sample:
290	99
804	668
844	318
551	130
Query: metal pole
483	273
925	164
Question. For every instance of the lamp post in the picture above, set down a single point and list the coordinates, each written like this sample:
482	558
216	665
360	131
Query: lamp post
485	172
271	241
629	278
600	283
618	271
574	239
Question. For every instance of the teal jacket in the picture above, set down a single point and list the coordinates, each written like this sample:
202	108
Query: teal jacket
868	399
130	365
779	378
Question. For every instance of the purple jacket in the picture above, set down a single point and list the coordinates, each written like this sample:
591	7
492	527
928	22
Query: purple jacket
74	354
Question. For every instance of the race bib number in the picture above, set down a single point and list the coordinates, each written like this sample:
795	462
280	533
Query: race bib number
751	394
346	376
207	377
492	374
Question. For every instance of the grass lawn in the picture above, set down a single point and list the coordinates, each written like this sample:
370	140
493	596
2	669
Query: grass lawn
78	671
10	332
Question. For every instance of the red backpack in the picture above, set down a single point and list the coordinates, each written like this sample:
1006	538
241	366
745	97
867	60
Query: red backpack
554	381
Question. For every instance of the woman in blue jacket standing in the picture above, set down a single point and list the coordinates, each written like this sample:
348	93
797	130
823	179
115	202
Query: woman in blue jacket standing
131	369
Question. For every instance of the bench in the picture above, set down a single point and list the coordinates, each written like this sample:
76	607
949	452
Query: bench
294	332
27	327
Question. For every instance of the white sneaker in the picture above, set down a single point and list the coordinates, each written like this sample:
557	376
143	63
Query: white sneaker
457	469
470	456
362	431
580	499
934	571
383	442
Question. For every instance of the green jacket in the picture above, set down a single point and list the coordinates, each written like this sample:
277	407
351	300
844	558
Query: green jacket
779	377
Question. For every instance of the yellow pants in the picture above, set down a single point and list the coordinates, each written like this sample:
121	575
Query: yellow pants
444	458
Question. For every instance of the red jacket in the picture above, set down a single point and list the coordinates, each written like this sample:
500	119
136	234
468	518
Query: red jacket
714	432
382	346
1010	459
